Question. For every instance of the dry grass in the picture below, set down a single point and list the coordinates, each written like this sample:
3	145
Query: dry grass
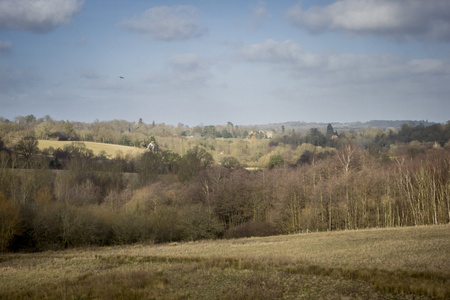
108	149
410	248
369	264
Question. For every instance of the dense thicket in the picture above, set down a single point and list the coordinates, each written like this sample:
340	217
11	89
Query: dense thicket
68	197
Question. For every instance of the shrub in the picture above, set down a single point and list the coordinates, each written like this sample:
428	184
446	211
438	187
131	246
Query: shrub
47	227
200	223
128	228
231	162
250	229
9	222
275	160
62	226
166	222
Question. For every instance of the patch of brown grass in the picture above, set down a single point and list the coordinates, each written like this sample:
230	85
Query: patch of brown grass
191	280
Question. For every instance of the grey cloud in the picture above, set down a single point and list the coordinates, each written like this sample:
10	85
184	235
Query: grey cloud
37	15
88	74
259	14
188	62
82	42
186	72
166	23
259	10
14	79
5	47
106	84
400	19
190	68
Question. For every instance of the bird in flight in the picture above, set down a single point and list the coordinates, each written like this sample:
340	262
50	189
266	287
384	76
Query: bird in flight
121	77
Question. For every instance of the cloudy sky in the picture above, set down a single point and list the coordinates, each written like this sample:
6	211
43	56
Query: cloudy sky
210	61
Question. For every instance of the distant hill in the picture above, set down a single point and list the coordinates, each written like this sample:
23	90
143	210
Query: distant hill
383	124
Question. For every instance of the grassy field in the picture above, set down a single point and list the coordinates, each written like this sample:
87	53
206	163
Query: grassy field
109	150
400	263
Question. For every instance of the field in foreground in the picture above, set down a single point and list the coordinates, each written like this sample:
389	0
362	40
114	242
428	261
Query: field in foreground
400	263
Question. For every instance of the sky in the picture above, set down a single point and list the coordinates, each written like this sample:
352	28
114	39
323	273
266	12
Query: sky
211	62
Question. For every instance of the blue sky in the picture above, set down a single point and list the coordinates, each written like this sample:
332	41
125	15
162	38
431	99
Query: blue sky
210	62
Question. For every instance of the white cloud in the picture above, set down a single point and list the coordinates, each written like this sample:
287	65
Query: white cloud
37	15
287	52
166	23
5	47
338	68
350	86
398	19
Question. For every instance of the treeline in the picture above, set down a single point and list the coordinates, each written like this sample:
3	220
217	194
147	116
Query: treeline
250	145
119	132
369	138
69	197
139	133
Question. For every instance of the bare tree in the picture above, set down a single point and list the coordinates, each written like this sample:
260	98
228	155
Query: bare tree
345	156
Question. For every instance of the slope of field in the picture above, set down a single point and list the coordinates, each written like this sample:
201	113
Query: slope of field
109	150
400	263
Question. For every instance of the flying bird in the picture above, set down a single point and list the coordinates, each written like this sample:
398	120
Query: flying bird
121	77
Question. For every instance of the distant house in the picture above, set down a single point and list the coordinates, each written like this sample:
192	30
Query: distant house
260	134
267	134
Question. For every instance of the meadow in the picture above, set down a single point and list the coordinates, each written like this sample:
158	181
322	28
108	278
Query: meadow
391	263
108	150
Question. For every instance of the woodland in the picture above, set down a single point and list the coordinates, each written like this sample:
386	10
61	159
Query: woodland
214	182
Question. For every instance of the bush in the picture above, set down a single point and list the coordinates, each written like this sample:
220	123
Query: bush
167	225
129	228
275	160
250	229
200	223
62	226
9	222
231	162
47	227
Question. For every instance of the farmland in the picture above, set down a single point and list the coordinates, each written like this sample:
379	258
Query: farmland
321	215
109	150
392	263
